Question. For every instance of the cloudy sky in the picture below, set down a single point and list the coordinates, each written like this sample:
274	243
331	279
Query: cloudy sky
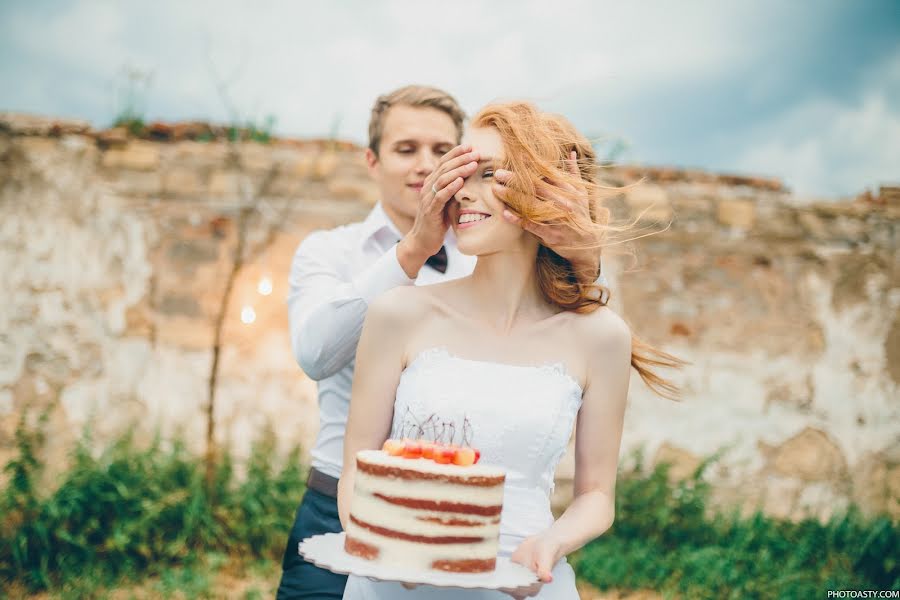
806	91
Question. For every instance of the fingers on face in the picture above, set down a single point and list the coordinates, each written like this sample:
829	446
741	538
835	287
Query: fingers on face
463	172
503	176
448	191
462	166
459	161
550	235
459	157
500	191
509	216
572	164
454	152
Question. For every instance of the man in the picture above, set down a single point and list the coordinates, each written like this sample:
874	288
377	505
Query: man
415	160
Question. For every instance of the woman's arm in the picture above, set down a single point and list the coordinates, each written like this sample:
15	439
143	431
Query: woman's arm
379	362
598	435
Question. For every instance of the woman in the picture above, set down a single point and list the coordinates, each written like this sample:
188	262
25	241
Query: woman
520	352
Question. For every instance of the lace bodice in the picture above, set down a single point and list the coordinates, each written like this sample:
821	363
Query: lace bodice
519	417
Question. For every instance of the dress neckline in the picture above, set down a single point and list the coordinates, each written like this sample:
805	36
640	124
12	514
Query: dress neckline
556	368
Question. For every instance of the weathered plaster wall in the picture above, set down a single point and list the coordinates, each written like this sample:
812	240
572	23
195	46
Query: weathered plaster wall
115	254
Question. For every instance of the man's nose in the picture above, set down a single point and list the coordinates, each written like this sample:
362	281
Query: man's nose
426	161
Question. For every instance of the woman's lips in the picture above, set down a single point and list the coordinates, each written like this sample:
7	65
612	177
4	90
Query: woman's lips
415	186
471	223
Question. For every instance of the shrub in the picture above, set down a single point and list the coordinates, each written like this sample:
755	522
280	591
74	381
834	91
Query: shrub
135	511
666	538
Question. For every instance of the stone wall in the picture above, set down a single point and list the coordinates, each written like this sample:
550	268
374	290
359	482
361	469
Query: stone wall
117	254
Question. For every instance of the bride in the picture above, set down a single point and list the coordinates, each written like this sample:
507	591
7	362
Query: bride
520	350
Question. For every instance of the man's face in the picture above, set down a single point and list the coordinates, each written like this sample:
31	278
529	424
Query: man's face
413	140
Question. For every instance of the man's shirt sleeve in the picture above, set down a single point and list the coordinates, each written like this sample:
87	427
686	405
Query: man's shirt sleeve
326	309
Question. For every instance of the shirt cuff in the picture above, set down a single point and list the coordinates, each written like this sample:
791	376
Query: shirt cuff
384	274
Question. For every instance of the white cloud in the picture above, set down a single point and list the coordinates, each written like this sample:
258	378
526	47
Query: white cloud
307	63
823	147
324	58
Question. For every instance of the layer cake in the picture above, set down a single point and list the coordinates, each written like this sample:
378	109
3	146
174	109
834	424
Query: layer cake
422	514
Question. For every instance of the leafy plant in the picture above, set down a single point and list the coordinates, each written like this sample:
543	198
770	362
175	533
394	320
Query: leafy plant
666	538
136	512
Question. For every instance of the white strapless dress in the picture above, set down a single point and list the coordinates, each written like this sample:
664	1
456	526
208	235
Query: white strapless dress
521	418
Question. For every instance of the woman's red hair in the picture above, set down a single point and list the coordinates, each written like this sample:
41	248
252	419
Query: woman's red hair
537	146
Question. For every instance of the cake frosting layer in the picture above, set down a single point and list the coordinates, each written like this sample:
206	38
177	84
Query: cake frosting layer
380	463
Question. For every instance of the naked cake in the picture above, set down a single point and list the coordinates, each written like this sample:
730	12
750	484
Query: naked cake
426	506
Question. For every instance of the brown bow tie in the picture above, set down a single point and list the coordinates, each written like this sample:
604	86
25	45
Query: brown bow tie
438	261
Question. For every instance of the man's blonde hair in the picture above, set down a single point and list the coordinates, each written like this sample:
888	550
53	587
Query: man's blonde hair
415	96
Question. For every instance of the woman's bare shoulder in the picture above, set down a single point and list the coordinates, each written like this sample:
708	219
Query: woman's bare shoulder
602	330
392	311
403	304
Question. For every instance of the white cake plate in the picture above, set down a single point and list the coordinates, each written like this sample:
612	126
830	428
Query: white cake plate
327	551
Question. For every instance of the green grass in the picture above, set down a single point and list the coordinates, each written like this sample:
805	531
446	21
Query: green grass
143	518
665	538
136	512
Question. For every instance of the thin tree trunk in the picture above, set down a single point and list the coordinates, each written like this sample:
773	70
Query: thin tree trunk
245	215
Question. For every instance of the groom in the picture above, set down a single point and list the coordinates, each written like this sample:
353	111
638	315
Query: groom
413	131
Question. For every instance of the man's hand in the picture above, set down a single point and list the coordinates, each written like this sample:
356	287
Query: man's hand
582	249
427	234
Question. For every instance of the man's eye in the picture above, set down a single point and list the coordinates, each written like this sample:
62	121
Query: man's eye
405	150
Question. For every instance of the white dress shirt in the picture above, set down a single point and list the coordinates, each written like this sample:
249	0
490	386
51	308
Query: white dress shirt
334	275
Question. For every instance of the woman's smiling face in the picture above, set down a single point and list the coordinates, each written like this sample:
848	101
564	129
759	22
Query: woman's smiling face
476	214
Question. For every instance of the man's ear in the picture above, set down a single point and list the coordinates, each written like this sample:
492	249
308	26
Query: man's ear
371	162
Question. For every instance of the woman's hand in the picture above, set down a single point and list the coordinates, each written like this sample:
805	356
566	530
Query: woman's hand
539	553
580	248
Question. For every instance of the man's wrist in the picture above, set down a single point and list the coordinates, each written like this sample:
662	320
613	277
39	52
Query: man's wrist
411	258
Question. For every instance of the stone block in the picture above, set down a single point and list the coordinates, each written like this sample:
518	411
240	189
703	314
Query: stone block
37	125
116	136
254	157
810	455
892	349
137	155
285	184
650	202
183	181
780	494
364	191
187	254
135	183
225	184
812	225
889	194
303	166
737	214
325	165
876	485
184	304
79	146
184	332
683	463
139	320
38	148
199	153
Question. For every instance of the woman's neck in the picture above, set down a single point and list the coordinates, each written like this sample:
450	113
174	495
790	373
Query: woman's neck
505	290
